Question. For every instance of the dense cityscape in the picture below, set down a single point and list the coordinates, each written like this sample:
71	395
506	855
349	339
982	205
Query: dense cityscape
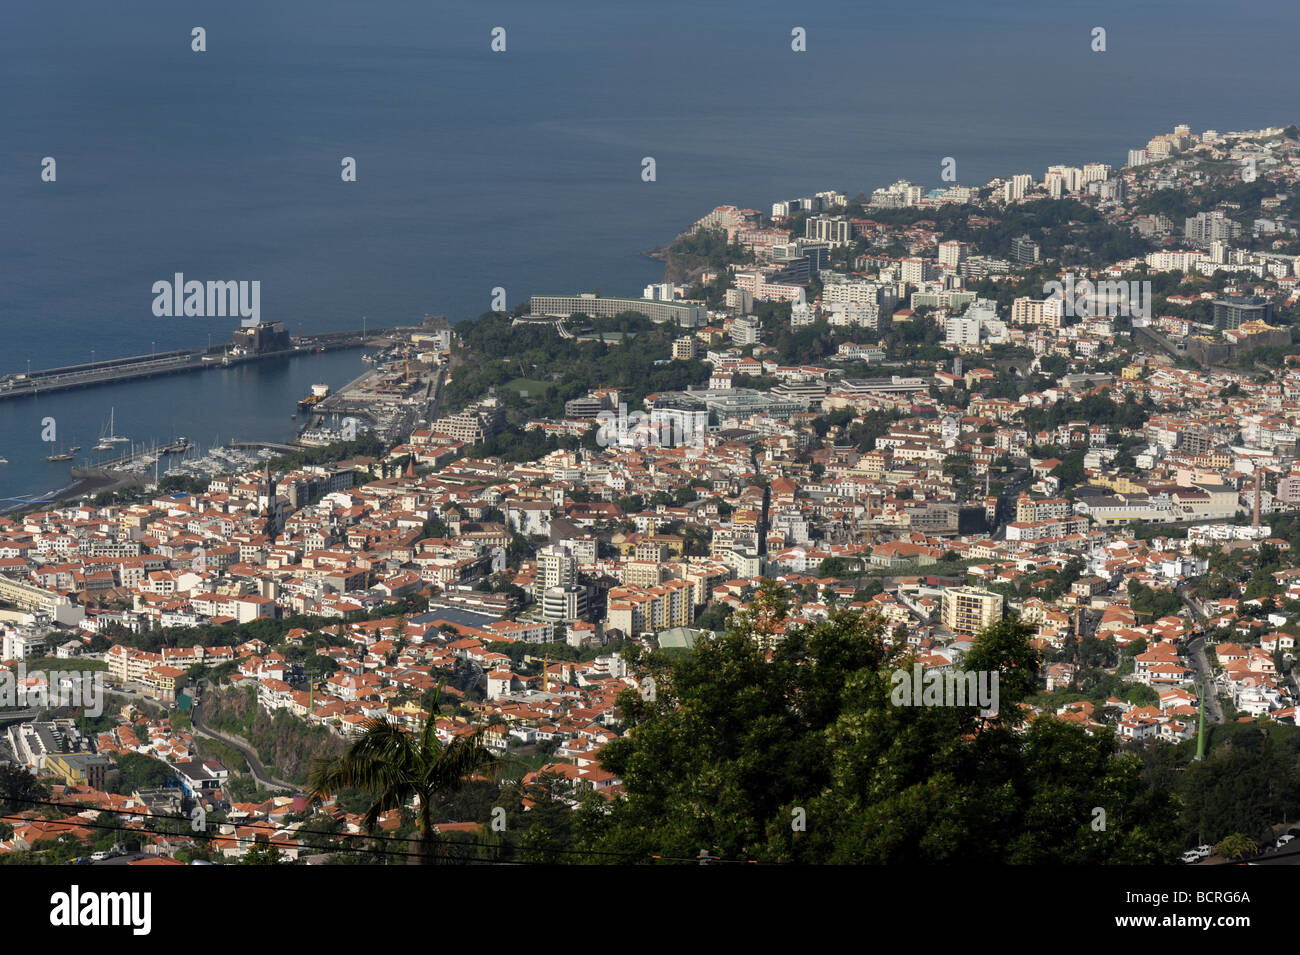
626	580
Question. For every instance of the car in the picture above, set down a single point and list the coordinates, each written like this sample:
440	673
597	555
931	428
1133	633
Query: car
1204	851
1283	840
98	856
1190	857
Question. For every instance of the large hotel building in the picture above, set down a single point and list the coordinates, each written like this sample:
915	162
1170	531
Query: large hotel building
684	314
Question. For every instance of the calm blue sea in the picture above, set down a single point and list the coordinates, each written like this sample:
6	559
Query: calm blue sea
518	169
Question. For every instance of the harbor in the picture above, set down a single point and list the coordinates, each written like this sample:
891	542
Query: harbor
229	421
249	401
142	468
246	345
388	399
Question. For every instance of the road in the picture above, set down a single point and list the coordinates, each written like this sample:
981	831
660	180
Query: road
263	778
1196	650
135	696
1204	677
122	859
1007	506
255	766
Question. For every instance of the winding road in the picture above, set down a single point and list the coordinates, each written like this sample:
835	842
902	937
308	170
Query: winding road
260	775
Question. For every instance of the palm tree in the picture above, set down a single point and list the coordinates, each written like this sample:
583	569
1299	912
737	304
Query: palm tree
399	766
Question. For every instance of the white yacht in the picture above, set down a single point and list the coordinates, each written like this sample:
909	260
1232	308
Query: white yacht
110	437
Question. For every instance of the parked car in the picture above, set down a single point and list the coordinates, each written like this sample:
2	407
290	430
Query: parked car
1204	851
98	856
1190	857
1283	840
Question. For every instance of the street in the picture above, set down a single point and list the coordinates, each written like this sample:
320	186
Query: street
1196	650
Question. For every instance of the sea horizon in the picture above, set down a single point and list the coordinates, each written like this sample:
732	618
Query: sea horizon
519	170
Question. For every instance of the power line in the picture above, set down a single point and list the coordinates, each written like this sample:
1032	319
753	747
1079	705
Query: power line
214	835
703	858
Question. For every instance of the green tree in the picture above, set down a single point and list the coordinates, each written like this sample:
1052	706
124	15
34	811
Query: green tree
801	753
137	771
18	788
60	851
397	767
1243	787
838	567
1236	846
260	853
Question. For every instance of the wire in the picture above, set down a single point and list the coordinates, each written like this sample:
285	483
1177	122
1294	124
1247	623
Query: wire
642	857
213	835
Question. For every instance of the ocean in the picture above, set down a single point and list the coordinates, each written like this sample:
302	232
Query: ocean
518	169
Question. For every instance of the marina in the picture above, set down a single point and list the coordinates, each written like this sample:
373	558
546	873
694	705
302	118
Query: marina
399	390
142	457
249	401
218	460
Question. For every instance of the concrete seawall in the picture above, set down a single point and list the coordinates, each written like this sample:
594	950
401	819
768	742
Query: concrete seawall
118	370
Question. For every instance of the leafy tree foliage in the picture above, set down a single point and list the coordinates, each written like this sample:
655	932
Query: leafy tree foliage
137	771
17	788
736	750
1244	787
1157	603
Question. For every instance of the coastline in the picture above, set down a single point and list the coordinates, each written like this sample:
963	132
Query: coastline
251	401
79	488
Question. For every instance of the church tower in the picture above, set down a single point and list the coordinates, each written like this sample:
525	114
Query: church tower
268	505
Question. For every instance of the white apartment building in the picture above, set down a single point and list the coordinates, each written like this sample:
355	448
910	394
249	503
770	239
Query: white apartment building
1018	187
962	332
917	271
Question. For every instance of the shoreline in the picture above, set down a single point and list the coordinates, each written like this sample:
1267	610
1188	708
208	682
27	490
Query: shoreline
79	488
152	405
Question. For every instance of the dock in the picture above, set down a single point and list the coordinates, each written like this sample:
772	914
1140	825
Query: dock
118	370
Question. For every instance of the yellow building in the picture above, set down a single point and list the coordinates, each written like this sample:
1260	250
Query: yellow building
1119	483
638	573
79	769
969	609
163	681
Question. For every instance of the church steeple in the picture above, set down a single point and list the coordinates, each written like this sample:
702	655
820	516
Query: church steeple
267	504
